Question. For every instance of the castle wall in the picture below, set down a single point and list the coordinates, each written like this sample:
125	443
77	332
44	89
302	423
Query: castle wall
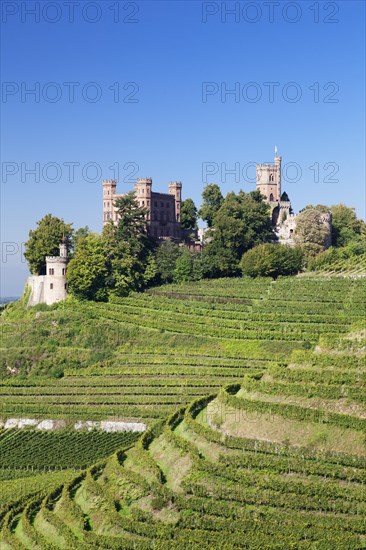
36	284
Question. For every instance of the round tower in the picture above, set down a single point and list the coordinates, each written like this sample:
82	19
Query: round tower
109	190
55	288
143	194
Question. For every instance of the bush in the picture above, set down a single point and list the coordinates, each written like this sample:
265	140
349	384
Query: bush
270	260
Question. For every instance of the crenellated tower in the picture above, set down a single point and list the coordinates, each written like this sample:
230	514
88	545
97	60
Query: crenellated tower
268	180
143	194
175	189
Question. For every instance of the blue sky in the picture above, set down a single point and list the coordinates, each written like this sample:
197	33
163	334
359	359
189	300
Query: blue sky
174	64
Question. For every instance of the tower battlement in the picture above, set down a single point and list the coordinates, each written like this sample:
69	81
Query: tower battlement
268	180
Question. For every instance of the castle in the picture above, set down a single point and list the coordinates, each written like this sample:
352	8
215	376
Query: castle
52	287
163	209
268	183
163	222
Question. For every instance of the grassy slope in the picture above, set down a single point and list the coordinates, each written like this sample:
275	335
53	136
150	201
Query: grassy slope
239	465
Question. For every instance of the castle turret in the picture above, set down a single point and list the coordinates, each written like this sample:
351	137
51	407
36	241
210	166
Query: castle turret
143	194
268	178
55	288
175	188
109	190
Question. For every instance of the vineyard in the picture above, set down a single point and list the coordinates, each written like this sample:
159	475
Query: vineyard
254	394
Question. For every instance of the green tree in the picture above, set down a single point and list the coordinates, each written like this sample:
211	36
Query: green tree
212	200
87	270
311	233
241	222
188	266
188	215
77	235
166	256
127	247
151	271
345	225
183	267
271	260
45	241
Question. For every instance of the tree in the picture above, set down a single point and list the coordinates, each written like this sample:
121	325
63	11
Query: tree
87	270
77	235
241	222
212	200
166	256
45	241
127	247
311	232
345	225
188	266
131	226
183	268
188	215
271	260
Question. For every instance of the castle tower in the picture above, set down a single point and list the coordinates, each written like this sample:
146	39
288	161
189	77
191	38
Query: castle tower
55	288
268	178
143	194
109	190
175	188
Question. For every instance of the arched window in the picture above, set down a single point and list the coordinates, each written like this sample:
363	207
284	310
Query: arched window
271	197
271	177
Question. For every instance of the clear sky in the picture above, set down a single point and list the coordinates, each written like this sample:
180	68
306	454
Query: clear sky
144	88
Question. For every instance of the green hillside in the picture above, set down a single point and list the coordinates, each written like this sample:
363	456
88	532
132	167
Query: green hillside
254	394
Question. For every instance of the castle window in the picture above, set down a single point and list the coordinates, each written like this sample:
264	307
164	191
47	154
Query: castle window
51	286
271	197
108	215
65	286
142	191
271	177
63	271
51	271
148	203
143	203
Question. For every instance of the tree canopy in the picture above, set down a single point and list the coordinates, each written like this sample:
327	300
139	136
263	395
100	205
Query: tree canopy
241	222
271	260
45	241
188	215
212	200
87	271
311	233
345	225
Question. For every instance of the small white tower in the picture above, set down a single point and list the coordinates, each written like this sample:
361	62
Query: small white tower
55	288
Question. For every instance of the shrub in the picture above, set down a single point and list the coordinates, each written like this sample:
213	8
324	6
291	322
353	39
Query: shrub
269	260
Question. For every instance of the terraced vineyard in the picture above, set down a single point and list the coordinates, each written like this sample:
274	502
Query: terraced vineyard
255	396
355	266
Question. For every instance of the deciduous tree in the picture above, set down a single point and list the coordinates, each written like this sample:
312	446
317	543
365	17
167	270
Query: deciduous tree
45	241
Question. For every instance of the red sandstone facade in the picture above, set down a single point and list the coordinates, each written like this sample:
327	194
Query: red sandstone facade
163	209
